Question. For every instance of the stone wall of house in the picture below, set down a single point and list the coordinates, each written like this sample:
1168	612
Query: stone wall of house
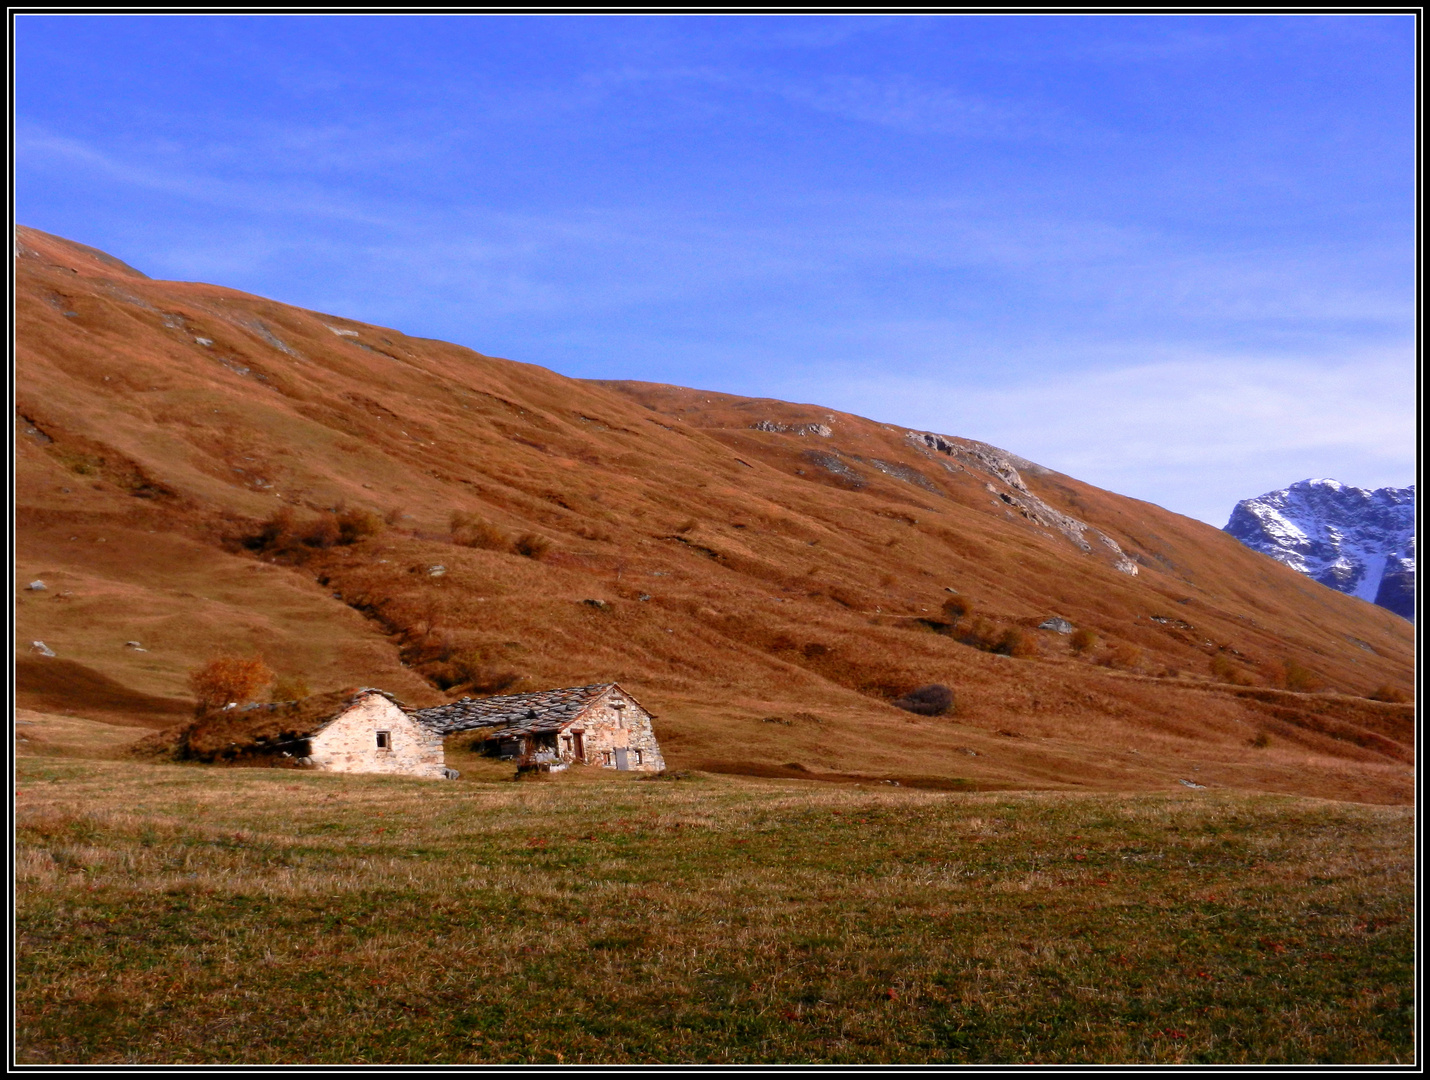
350	744
605	728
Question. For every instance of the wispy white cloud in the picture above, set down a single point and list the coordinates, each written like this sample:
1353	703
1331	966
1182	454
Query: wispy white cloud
923	107
1193	433
176	173
1193	364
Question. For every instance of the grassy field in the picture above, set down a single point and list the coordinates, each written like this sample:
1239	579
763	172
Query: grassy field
188	914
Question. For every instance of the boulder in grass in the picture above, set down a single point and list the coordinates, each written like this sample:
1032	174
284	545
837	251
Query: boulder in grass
1058	623
931	700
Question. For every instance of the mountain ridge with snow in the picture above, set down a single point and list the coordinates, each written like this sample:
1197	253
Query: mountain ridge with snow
1352	539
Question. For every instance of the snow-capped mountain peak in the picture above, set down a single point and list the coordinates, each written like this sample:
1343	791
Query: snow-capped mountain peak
1357	541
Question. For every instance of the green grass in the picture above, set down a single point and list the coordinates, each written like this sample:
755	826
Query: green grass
186	914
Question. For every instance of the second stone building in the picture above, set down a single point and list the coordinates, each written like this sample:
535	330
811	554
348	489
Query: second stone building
600	724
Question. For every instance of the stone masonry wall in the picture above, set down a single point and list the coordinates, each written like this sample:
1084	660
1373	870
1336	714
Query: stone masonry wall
349	743
606	728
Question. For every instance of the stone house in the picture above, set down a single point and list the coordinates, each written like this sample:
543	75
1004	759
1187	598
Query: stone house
357	731
600	724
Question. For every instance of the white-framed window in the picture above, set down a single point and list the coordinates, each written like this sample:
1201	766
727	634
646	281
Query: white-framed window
384	740
607	757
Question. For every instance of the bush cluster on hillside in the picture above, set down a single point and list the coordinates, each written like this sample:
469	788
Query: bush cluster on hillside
963	624
984	634
472	530
1122	654
1223	670
1298	677
532	545
283	534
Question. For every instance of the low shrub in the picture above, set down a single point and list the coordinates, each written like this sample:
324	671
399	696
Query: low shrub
1295	676
986	635
980	633
228	679
483	678
932	700
1223	670
441	659
290	688
595	533
1391	694
282	534
356	524
955	608
323	532
532	545
1121	655
471	530
1082	640
1013	642
1261	740
278	534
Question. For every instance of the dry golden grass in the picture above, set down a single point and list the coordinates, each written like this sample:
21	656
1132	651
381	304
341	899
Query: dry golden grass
198	915
739	574
71	736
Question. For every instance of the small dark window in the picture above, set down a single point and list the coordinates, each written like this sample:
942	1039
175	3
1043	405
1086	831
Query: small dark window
384	740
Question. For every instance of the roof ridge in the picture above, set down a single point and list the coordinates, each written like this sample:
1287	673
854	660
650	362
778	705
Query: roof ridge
556	705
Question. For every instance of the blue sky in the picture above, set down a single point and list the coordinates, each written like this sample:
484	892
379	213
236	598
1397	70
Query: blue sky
1170	256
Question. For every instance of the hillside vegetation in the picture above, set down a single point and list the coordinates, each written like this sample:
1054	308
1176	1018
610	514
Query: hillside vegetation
202	472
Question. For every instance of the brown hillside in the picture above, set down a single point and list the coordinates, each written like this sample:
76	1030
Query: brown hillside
204	471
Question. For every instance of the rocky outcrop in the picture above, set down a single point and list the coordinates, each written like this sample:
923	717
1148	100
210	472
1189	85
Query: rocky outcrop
1397	584
903	472
1120	560
1354	540
831	463
822	430
1001	465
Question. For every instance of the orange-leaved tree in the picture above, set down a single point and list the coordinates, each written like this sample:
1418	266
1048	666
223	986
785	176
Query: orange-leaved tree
225	679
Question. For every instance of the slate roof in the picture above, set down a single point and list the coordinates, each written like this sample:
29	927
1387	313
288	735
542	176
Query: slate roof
516	714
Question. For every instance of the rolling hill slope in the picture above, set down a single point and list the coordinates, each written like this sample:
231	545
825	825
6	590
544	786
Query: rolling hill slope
203	471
